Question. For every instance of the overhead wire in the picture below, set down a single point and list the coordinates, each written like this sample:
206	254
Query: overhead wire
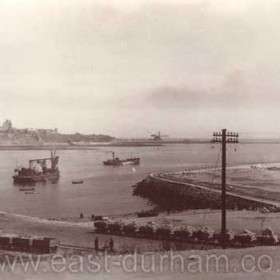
212	182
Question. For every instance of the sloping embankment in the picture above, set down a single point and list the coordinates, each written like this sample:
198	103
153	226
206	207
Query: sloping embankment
169	194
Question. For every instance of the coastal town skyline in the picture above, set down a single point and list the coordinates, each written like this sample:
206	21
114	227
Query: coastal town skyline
7	127
132	68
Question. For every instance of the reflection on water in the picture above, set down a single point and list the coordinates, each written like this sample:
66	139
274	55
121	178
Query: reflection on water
107	190
43	183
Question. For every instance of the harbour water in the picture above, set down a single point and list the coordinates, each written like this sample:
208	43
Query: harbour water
107	190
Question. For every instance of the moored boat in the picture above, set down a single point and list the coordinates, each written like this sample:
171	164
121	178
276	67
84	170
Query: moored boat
26	189
74	182
38	171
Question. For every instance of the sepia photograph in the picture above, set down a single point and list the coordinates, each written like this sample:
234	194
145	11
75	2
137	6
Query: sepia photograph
139	139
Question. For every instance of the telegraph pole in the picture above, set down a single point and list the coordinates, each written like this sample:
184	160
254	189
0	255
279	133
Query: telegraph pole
224	137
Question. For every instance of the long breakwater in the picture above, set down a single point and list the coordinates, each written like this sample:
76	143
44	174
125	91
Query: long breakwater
168	193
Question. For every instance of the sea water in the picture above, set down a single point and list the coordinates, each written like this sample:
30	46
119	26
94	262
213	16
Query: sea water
107	190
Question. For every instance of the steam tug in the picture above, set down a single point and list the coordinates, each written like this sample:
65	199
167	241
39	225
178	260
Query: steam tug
115	161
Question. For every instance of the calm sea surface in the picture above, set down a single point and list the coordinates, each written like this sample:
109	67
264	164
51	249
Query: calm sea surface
107	190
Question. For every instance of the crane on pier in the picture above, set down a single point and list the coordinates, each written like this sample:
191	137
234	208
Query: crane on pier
158	136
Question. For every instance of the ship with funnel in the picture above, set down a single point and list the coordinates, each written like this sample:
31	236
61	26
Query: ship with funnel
115	161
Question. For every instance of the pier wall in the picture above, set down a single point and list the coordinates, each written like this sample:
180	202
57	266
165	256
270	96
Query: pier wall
169	195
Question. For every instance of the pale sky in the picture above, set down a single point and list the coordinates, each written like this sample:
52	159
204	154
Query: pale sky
129	68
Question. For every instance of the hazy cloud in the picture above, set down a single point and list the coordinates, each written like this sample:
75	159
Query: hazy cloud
132	67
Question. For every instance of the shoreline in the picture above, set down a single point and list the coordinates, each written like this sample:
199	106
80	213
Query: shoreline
65	146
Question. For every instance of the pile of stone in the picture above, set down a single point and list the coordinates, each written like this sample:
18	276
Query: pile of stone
183	232
267	237
148	229
245	237
229	236
164	231
206	233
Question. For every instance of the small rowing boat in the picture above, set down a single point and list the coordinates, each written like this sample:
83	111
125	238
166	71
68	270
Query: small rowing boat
77	182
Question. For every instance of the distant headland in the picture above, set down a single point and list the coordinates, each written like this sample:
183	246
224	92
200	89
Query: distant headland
27	137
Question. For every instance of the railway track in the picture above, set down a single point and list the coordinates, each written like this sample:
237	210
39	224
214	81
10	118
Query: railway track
80	248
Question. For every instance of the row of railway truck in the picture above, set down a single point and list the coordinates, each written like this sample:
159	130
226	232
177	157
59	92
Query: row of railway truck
40	245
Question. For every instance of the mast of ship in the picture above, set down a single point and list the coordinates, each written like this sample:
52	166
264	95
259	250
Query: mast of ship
54	159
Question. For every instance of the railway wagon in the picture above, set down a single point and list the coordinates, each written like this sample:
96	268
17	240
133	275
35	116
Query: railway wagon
130	229
182	234
115	228
101	226
22	243
45	245
147	231
164	233
6	242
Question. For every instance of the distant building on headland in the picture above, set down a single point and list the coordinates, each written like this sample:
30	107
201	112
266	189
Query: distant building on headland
10	135
7	127
42	131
